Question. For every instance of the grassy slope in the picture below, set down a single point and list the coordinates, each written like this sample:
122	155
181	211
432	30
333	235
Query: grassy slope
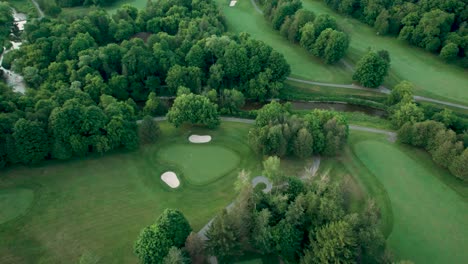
244	18
432	76
428	206
99	205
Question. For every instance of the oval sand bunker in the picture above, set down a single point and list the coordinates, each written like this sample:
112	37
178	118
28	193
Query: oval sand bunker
170	178
199	139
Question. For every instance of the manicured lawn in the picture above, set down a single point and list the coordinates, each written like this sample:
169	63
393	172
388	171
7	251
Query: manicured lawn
429	208
244	18
432	76
99	204
14	202
200	163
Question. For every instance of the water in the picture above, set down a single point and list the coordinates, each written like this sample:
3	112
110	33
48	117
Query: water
14	80
341	107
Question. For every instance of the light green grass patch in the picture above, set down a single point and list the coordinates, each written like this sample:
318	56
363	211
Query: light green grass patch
14	203
200	163
429	217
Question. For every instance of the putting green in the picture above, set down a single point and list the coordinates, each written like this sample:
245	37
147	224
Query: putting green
14	202
200	164
429	218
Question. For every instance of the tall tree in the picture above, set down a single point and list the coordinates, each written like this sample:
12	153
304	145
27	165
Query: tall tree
371	70
193	109
32	144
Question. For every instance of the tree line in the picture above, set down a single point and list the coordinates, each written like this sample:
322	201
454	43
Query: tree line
6	23
319	35
438	26
300	221
279	133
90	79
442	134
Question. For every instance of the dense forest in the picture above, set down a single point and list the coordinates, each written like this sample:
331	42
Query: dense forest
90	79
319	35
439	26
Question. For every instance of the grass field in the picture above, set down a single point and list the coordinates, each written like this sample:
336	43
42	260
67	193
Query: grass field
425	209
432	76
98	205
199	163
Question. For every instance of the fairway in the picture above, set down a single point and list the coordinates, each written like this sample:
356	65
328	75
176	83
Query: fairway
429	214
431	76
244	18
98	205
200	164
14	203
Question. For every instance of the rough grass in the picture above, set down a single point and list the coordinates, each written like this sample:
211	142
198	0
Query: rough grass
432	76
98	205
14	202
428	206
200	163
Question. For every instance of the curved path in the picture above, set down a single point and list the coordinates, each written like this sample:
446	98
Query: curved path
391	136
381	89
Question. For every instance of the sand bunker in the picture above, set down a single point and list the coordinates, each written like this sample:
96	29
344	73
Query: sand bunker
170	178
232	3
199	139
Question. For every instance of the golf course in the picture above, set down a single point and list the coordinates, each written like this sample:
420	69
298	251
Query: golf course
160	133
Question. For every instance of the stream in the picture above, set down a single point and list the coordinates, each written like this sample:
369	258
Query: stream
13	79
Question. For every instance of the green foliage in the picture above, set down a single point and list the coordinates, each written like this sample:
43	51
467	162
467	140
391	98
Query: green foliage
403	92
303	144
449	52
407	112
371	70
174	256
32	144
271	169
193	109
149	130
195	247
171	229
223	240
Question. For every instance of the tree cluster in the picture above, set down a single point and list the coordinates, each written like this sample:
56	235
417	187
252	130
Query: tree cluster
161	242
319	35
439	26
279	133
6	22
372	68
193	109
301	222
90	78
443	144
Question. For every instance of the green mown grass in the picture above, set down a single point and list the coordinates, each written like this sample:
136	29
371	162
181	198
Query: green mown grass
244	18
98	205
428	206
14	202
431	76
200	164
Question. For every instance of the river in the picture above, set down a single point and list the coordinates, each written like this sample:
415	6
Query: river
14	80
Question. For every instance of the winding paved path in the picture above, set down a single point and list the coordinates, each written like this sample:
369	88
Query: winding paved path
381	89
392	136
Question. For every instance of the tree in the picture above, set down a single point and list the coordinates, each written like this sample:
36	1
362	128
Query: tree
272	170
171	229
334	243
408	112
331	45
449	52
403	92
270	113
371	70
189	77
194	109
336	134
152	105
149	130
262	238
195	247
223	241
458	165
31	142
232	101
174	256
303	144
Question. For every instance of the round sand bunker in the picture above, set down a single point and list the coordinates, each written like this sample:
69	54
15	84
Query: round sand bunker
199	139
170	178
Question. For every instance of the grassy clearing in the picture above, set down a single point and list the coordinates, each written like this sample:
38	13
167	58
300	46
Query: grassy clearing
244	18
429	207
432	76
14	202
200	164
98	205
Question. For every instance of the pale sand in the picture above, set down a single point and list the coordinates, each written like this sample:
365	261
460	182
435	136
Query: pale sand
170	178
199	139
233	3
